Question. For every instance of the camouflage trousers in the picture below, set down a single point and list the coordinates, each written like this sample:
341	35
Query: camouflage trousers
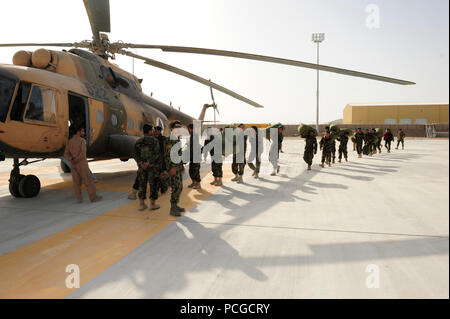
326	156
401	141
255	167
238	168
176	183
194	172
387	144
333	151
216	169
359	147
148	176
308	157
163	184
343	151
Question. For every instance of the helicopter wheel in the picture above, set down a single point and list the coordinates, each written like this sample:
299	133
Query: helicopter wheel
29	186
65	168
14	186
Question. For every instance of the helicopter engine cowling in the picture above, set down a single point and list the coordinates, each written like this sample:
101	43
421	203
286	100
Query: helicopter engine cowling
22	58
41	58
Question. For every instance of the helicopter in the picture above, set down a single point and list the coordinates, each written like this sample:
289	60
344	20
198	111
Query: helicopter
44	92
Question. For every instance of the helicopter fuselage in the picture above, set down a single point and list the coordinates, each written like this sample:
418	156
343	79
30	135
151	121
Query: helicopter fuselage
40	98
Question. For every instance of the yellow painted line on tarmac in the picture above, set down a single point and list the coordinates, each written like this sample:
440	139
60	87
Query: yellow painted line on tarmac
38	270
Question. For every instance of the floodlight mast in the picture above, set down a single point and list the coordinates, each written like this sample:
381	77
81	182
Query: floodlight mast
318	38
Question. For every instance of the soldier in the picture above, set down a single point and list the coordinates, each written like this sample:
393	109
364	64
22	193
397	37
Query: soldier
216	167
176	171
238	168
310	148
388	138
163	180
343	139
359	136
135	189
256	151
378	139
194	168
75	152
326	145
366	136
274	152
148	156
401	139
354	140
371	141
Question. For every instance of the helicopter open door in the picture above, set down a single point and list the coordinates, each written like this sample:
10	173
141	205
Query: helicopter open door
79	113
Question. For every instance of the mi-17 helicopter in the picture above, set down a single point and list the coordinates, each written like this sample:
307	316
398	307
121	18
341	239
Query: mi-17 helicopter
45	91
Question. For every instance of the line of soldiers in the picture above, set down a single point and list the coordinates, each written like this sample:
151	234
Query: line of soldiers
368	141
155	167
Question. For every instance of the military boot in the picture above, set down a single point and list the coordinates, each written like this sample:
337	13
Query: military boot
256	175
132	194
274	172
359	156
153	205
214	182
309	167
334	160
340	161
240	180
174	211
322	165
191	185
278	168
180	209
236	178
142	205
346	159
197	185
219	181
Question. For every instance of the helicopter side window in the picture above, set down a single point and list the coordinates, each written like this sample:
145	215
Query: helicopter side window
20	102
7	87
42	105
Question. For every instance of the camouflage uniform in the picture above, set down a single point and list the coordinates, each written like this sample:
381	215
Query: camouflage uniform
216	168
176	181
333	147
401	139
310	149
326	144
359	142
147	149
388	138
163	181
343	139
370	140
194	168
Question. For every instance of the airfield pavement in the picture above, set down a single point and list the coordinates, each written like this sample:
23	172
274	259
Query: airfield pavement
338	232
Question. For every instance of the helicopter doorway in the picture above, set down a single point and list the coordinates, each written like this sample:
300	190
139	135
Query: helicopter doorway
79	113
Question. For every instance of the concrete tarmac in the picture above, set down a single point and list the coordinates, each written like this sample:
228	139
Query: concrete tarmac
375	227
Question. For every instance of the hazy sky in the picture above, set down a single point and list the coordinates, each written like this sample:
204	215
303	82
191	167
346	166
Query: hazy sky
411	43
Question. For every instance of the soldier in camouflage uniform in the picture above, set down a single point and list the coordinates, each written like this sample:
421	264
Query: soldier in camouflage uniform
176	171
401	139
148	156
388	138
194	168
371	136
343	141
135	189
359	136
310	149
238	168
216	167
326	145
163	180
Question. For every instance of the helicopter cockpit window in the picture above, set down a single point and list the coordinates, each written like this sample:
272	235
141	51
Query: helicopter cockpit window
42	105
7	87
114	120
130	124
20	102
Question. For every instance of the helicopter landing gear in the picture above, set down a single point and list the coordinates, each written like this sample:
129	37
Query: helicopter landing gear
25	186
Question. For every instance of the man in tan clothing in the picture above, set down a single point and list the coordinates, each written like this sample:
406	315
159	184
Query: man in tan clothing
76	153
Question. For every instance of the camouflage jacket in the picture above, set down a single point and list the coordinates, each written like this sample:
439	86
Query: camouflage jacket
388	136
359	137
169	163
163	147
401	135
371	137
343	140
311	144
147	149
326	144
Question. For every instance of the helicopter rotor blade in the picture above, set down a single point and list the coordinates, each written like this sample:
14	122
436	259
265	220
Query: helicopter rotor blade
191	76
257	57
4	45
99	16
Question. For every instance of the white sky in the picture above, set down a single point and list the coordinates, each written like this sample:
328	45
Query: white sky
412	43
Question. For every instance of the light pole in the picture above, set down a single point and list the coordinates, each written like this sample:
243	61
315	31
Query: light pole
318	38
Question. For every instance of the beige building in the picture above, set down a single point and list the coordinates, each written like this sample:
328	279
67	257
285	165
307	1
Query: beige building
401	113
